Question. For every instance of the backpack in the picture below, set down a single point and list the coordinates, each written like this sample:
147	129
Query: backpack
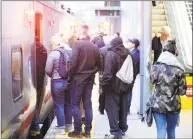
63	63
126	73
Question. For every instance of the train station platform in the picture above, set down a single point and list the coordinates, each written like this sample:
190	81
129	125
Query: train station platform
136	129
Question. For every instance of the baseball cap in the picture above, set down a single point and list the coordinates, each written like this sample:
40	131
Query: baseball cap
134	41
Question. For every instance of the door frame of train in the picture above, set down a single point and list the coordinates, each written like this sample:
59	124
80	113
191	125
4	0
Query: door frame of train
38	25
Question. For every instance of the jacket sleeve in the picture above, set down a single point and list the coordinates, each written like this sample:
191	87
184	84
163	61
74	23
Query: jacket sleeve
49	65
155	43
182	85
74	59
108	70
98	60
154	74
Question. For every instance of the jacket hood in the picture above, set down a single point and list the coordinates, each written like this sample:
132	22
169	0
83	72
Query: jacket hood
120	50
116	41
169	59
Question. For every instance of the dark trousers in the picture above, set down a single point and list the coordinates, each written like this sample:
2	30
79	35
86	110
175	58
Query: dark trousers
116	106
102	102
82	91
129	101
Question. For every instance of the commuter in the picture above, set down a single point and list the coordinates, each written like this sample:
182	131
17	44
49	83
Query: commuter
159	42
40	56
116	100
168	76
77	36
98	40
103	52
59	84
133	48
84	64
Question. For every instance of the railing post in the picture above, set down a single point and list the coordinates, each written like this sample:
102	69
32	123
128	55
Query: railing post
145	49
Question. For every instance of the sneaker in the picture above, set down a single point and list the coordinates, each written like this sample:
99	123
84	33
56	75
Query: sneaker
112	137
87	135
59	130
68	128
74	134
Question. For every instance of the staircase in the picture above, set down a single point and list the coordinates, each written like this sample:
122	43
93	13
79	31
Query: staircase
158	18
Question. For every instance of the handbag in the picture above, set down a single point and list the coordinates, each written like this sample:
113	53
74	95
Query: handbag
148	116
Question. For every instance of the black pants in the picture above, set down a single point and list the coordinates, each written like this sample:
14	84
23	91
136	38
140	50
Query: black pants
116	106
102	102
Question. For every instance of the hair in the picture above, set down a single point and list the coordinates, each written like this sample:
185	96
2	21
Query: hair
118	34
171	47
85	29
167	29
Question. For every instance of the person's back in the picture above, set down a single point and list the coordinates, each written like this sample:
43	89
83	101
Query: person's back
85	60
84	63
168	76
59	84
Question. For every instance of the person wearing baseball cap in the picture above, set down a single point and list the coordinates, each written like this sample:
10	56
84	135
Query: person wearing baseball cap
133	45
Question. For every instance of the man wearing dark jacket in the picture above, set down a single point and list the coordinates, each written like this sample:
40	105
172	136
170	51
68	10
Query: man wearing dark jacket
39	54
84	64
103	53
116	100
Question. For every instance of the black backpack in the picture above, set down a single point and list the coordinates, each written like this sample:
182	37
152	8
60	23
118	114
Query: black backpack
63	66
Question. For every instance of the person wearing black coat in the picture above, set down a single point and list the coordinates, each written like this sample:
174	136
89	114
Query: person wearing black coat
159	42
84	64
39	57
116	102
103	53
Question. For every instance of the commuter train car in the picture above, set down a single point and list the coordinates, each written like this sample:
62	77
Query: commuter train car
21	22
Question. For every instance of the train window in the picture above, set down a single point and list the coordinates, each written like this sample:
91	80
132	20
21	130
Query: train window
17	76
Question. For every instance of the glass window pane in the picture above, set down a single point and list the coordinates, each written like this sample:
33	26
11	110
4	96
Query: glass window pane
17	72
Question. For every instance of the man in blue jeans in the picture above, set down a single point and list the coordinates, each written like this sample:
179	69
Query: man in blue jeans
133	48
84	63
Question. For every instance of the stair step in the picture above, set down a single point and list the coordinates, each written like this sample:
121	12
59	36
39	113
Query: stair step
159	23
155	29
159	17
160	6
158	11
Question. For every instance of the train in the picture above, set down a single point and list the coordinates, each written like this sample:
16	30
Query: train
21	22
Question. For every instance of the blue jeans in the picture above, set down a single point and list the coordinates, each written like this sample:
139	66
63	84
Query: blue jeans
35	122
166	123
62	102
84	91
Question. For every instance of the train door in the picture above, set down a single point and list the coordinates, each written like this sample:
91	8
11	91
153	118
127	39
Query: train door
38	25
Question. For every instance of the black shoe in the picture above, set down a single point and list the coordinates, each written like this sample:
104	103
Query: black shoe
101	111
87	135
74	134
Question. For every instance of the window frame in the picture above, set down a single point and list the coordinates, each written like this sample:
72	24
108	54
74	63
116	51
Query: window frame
15	47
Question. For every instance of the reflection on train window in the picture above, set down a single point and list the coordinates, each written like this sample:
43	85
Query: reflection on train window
17	72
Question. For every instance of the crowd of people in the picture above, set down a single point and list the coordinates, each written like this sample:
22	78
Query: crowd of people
72	69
